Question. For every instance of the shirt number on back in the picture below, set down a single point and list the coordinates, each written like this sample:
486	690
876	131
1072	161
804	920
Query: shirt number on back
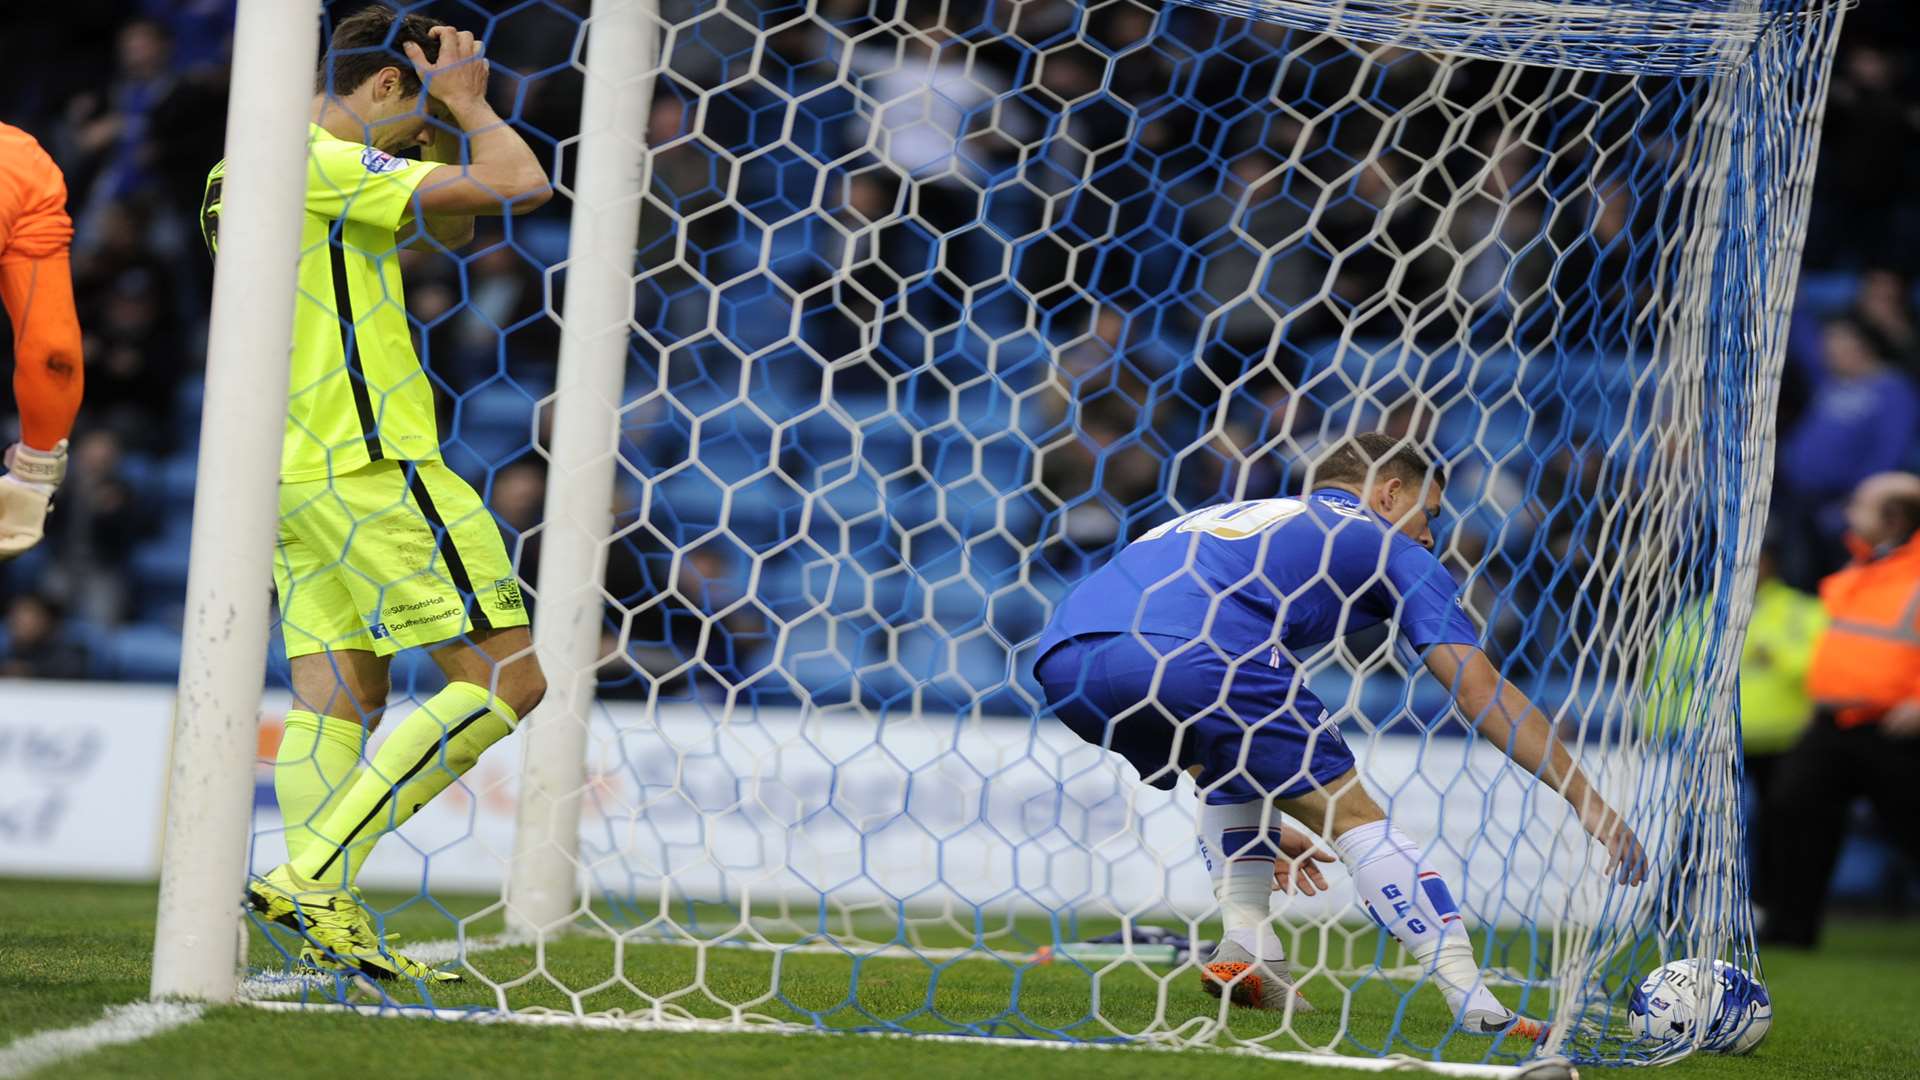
1233	521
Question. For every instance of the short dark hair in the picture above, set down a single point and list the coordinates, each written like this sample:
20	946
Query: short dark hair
1902	514
371	39
1373	457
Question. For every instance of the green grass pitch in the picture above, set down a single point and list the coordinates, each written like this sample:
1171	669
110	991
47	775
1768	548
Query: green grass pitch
67	950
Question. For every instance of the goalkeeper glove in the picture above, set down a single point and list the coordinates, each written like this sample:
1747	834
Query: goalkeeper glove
26	495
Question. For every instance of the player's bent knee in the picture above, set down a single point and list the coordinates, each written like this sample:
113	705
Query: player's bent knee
1351	807
1339	805
373	703
523	687
1364	811
365	699
344	685
522	682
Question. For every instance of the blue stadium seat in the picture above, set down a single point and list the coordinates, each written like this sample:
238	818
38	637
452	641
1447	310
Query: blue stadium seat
1491	372
1498	430
819	438
1607	405
189	396
95	638
899	598
850	496
499	406
139	471
473	454
690	499
1022	361
783	587
982	664
544	240
887	445
731	459
1829	293
159	565
824	671
1363	363
144	653
175	478
492	425
958	603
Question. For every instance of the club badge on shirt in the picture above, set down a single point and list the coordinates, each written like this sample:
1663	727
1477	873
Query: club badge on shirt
379	161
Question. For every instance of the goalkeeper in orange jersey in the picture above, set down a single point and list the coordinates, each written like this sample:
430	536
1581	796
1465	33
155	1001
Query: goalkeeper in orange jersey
36	285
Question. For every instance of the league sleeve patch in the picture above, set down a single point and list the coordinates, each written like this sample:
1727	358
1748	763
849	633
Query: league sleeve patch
1344	508
379	161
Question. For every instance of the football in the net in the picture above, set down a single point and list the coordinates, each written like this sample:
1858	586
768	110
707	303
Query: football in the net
1673	1000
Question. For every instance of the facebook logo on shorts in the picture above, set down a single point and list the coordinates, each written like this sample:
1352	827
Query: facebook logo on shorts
379	630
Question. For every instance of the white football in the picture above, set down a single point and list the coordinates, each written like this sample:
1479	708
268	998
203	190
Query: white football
1675	999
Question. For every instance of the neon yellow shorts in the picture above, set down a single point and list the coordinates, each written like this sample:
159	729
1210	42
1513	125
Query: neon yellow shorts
391	556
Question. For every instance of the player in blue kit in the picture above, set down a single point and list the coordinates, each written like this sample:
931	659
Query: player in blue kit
1183	655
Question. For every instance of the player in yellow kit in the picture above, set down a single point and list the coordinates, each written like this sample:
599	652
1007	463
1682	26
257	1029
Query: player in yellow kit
381	546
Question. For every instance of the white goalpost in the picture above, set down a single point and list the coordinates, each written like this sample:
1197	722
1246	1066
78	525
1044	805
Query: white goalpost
235	521
543	893
881	325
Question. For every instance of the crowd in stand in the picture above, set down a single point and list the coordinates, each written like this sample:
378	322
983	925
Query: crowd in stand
136	145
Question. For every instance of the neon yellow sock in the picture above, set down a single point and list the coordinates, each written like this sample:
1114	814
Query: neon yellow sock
316	763
430	749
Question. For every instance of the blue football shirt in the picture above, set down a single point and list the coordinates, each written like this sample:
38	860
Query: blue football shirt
1249	576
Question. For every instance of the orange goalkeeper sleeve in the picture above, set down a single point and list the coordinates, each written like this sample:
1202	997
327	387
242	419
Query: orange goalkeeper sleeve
36	285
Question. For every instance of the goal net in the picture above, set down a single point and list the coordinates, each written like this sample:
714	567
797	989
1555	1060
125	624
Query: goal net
914	315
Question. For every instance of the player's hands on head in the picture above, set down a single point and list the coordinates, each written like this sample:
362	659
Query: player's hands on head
459	76
1626	859
1298	872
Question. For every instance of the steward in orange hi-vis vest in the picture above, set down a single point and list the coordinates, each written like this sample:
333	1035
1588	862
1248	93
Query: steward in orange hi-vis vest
1868	660
1865	737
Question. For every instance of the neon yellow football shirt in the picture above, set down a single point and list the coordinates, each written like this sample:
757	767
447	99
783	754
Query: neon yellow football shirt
358	393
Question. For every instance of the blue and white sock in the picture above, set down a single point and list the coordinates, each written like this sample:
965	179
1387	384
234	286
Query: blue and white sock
1412	901
1240	842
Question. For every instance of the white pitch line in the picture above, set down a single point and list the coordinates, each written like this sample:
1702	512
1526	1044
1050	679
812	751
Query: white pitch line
120	1024
268	985
895	950
1396	1063
145	1019
268	991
